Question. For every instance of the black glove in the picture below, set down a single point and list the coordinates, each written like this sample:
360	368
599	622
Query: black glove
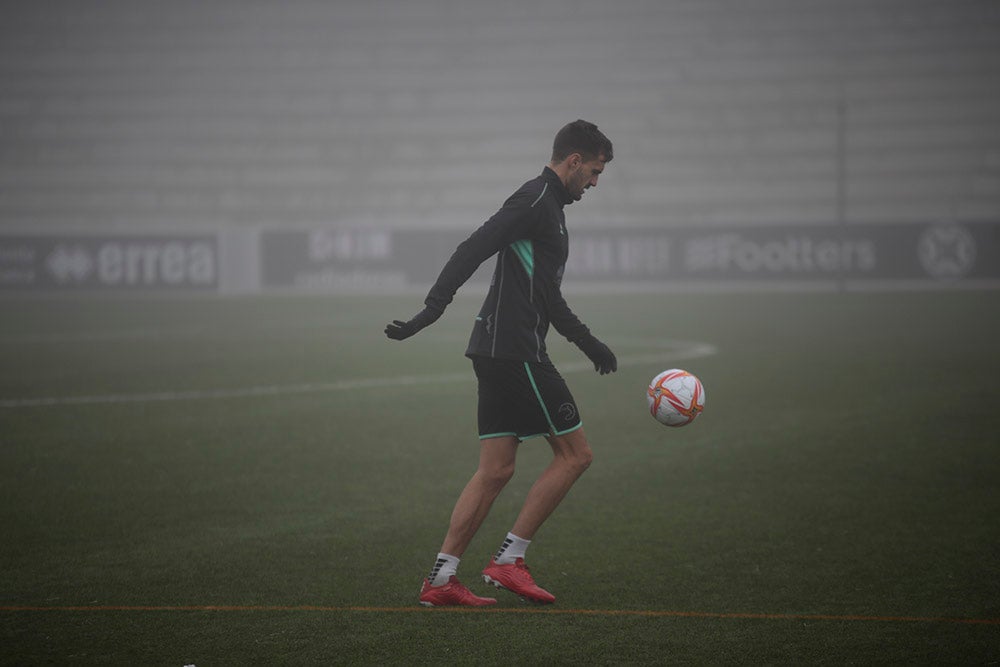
602	356
400	330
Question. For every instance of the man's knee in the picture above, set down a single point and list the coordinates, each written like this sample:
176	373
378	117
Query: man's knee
584	458
498	475
581	459
574	450
496	462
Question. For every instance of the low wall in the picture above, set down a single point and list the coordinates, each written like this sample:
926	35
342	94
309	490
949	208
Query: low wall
321	259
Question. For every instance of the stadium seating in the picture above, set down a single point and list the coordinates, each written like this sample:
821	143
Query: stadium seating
192	114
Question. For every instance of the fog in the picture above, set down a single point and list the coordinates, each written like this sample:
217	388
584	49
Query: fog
300	145
211	209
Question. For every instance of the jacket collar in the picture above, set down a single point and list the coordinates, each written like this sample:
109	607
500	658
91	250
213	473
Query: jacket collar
562	194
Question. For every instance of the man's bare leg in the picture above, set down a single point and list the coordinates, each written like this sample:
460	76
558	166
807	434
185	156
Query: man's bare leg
496	467
571	457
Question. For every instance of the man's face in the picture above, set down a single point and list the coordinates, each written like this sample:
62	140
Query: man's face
584	175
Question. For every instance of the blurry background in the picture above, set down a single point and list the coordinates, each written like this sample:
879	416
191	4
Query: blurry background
277	451
192	116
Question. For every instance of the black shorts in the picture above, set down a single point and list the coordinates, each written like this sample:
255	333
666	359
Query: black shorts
523	399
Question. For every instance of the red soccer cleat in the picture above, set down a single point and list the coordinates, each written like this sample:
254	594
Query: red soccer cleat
452	593
516	579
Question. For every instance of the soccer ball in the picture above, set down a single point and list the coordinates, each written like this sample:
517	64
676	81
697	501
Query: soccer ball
675	397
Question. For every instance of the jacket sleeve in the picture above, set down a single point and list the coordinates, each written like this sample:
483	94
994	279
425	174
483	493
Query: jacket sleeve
511	222
565	320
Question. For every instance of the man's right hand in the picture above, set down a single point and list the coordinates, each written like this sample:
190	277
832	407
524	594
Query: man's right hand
400	330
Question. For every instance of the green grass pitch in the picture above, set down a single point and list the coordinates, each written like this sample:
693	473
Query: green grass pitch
267	480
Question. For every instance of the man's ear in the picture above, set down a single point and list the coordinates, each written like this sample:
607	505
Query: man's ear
574	161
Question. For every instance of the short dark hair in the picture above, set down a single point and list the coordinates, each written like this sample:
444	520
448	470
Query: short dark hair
583	138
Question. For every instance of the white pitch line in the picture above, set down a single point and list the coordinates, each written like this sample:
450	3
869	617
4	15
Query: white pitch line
237	392
673	351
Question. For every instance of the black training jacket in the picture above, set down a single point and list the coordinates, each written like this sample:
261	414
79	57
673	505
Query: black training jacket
529	233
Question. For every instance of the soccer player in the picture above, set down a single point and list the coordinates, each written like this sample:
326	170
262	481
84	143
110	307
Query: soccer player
521	394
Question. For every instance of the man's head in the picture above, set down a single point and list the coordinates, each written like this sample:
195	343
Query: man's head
579	154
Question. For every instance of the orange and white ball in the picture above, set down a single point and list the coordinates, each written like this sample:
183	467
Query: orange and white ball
676	397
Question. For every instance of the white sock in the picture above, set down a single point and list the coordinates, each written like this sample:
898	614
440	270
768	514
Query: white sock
512	548
444	567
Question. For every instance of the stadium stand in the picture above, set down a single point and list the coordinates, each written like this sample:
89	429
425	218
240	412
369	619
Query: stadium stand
148	114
